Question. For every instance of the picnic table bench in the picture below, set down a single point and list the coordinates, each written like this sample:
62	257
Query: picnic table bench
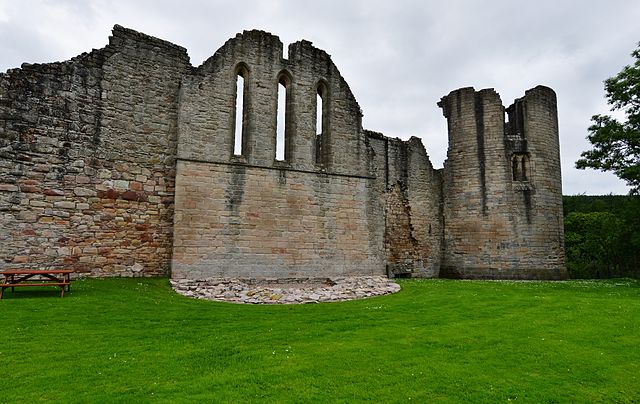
36	277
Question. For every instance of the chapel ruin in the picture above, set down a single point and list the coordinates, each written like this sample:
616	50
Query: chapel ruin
124	161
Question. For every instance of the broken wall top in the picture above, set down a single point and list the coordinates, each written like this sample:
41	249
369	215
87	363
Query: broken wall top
208	108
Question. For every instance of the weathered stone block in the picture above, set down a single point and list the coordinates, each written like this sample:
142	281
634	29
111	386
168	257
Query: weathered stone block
84	192
65	204
9	188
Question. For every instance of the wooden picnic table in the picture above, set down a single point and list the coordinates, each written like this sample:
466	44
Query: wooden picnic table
36	277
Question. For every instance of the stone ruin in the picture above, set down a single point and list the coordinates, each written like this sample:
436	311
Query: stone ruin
129	161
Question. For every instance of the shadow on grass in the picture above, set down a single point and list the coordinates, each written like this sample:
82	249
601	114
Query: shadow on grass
79	288
34	293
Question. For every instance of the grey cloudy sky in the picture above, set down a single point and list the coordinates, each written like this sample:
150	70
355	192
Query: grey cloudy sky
399	57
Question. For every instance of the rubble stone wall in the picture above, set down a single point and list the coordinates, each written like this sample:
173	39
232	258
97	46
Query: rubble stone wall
412	194
87	164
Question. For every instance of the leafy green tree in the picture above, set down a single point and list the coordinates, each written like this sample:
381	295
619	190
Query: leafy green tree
602	235
593	244
616	144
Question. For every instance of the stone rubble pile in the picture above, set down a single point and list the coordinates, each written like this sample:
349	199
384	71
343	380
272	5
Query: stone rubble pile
285	291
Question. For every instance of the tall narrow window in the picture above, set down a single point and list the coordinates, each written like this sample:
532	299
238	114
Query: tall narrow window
321	123
319	113
239	127
282	120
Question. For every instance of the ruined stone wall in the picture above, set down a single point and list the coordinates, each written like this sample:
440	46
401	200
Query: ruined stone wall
498	225
208	97
412	194
122	161
252	215
88	157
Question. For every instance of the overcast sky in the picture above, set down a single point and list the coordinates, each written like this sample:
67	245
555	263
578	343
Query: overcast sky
399	57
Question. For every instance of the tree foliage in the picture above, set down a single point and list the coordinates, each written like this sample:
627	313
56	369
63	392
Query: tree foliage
602	236
592	244
616	144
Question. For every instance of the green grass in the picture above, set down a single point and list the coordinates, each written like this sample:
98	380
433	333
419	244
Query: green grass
134	340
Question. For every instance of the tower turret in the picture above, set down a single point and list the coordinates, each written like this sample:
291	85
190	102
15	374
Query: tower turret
502	194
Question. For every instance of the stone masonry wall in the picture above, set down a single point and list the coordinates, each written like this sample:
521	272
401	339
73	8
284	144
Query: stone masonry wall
88	158
541	191
248	222
252	215
207	108
498	225
121	162
412	189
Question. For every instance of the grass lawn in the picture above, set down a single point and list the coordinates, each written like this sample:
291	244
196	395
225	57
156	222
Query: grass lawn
134	340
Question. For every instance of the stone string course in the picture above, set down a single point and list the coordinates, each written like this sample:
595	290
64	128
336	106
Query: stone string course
285	291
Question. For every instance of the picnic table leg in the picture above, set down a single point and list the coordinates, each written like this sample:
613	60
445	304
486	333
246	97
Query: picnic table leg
2	291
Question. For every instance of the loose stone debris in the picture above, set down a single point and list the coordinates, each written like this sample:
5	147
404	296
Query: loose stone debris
285	291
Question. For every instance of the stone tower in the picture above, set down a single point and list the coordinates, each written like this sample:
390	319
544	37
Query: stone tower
502	189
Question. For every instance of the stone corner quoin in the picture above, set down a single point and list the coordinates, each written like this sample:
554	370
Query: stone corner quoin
129	161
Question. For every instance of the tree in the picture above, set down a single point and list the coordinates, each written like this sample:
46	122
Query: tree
602	235
616	144
593	244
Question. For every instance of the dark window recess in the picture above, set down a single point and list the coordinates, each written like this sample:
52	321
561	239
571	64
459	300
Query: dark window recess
520	167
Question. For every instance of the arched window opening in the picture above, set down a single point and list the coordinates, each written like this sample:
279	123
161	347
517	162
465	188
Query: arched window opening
319	113
321	123
239	123
281	126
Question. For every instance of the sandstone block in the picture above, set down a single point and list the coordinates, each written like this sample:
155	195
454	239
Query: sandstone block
20	259
53	192
84	192
121	184
8	187
104	174
65	204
